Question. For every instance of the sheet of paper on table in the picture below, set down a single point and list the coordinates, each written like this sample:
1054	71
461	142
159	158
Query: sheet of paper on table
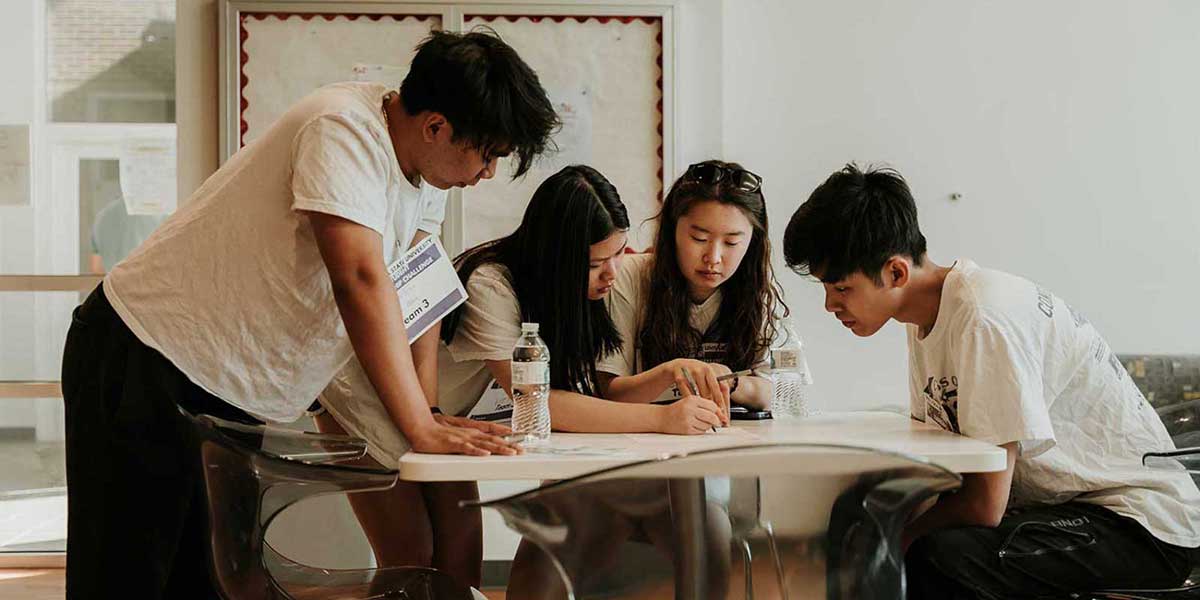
568	449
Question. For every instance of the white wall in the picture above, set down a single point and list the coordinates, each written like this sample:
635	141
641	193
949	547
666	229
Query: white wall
698	81
1070	127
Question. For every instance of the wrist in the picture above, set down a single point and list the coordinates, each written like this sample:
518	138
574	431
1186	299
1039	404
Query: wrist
422	425
666	375
661	418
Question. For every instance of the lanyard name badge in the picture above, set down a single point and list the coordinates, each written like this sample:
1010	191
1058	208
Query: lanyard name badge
493	405
427	286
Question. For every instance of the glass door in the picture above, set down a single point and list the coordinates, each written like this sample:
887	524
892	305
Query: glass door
89	120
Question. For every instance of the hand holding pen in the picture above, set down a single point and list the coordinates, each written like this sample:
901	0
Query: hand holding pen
753	370
700	379
691	383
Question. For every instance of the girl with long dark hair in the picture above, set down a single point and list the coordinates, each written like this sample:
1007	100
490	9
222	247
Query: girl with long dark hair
704	302
556	270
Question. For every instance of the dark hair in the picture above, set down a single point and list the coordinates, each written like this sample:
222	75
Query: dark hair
491	98
854	222
547	258
751	297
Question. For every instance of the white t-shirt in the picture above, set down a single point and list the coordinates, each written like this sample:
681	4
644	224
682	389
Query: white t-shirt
627	305
232	288
488	330
1009	361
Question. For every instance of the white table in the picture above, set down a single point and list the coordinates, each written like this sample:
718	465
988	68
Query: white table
877	430
581	453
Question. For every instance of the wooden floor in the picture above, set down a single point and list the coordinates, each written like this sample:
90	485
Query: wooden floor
31	584
47	584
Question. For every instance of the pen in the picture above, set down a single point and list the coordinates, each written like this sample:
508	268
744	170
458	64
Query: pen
735	374
692	386
743	372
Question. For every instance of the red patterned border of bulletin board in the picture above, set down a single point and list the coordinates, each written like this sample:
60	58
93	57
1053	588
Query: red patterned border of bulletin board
244	35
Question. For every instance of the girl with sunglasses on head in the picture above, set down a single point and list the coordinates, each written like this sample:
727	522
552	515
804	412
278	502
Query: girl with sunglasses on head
703	303
555	270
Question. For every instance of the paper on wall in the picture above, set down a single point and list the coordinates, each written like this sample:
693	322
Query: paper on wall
14	165
389	75
574	140
148	176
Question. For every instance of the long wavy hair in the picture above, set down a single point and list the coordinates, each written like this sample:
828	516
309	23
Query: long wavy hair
547	259
750	300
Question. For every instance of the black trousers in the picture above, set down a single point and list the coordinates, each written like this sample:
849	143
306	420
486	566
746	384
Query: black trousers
1046	552
136	510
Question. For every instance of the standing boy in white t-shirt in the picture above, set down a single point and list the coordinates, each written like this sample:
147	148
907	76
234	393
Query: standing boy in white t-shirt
997	358
249	298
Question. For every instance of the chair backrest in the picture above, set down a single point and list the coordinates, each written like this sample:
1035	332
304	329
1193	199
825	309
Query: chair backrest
251	474
1171	383
1164	379
815	520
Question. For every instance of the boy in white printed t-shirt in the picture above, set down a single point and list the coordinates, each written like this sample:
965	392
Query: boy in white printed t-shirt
997	358
248	299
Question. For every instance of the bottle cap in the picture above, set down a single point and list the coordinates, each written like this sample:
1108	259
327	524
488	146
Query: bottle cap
529	327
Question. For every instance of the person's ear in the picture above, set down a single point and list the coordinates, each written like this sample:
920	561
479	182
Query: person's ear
897	271
435	124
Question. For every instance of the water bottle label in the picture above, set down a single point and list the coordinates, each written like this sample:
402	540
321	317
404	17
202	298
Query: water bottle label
785	358
530	373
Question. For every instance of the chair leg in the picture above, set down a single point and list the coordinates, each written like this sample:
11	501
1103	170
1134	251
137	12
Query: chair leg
748	568
783	592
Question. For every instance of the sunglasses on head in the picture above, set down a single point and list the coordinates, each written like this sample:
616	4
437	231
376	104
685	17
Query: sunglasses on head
711	174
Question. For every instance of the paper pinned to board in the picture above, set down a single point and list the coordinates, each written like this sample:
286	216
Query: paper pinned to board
560	449
148	175
574	139
14	165
390	75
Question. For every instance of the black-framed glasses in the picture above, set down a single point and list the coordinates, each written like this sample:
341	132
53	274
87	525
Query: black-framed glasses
712	174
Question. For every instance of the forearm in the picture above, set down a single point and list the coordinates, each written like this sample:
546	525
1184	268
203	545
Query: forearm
980	502
574	412
425	348
375	324
753	391
425	361
951	510
643	388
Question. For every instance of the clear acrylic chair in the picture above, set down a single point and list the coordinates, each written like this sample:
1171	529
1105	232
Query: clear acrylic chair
1181	459
251	475
1165	380
800	520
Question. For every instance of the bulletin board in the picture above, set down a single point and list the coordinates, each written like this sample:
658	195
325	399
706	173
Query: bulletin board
607	68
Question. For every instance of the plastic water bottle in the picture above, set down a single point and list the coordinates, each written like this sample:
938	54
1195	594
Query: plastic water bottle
531	386
789	375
